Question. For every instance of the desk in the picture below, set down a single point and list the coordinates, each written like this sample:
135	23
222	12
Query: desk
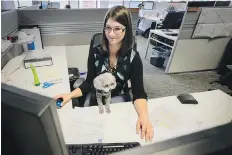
23	78
146	22
170	119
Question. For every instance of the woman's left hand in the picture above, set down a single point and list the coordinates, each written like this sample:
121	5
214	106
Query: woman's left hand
144	127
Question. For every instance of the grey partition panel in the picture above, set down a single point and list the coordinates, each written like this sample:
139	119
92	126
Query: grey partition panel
189	24
46	16
67	27
9	22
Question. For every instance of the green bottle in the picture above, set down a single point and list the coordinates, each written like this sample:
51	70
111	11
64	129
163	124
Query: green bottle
36	78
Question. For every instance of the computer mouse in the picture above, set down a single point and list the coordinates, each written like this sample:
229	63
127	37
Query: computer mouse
58	102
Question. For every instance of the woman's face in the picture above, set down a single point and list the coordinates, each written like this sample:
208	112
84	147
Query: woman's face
114	31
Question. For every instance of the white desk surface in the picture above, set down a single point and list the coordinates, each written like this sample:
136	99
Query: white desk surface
23	78
170	118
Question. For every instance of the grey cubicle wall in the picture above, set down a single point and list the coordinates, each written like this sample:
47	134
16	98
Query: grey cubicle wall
9	22
195	54
189	24
67	26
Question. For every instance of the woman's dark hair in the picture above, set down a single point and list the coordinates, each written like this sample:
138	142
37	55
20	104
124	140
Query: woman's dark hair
121	15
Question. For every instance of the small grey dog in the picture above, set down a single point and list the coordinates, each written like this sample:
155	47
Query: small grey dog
103	84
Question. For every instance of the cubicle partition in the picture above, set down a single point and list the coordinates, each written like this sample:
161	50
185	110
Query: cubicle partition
9	23
67	26
200	46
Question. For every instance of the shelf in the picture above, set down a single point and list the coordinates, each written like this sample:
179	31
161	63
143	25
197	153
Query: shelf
26	40
161	42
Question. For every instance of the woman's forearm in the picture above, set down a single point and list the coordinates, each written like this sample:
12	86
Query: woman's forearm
141	107
76	93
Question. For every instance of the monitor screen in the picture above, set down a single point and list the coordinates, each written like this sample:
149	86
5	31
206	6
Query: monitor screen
30	124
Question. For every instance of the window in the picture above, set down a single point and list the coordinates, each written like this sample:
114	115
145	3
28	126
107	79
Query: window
88	4
25	3
63	3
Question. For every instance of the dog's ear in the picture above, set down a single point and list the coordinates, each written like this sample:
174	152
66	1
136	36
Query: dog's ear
97	83
114	81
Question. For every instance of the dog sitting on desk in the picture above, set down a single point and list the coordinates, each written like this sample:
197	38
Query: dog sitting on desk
103	84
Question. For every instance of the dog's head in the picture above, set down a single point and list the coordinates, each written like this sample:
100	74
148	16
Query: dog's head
105	83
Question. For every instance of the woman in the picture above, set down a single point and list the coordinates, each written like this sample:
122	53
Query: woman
115	55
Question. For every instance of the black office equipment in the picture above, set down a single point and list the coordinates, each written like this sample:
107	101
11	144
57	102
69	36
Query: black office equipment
30	124
100	149
187	99
172	20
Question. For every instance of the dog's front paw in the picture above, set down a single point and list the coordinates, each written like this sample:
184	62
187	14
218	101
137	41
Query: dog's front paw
101	110
108	110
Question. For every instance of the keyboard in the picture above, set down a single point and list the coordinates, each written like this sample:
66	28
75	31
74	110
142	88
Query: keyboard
99	148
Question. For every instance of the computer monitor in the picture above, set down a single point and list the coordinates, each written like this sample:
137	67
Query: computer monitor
173	20
30	124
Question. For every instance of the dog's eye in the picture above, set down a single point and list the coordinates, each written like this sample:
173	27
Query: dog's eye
106	85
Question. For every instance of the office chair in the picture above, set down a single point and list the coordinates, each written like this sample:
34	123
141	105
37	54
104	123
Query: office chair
172	20
96	40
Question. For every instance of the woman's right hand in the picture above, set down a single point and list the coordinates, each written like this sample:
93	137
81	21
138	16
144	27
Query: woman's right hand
66	98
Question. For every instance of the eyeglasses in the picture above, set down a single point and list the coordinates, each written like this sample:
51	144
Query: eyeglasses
116	30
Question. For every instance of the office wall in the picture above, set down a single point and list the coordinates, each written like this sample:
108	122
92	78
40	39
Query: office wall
77	56
9	22
67	26
197	54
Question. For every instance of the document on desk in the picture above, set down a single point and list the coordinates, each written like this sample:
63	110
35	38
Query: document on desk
83	126
171	120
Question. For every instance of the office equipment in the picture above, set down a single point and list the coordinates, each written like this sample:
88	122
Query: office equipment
172	20
37	61
58	102
30	124
98	149
49	84
187	99
213	141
